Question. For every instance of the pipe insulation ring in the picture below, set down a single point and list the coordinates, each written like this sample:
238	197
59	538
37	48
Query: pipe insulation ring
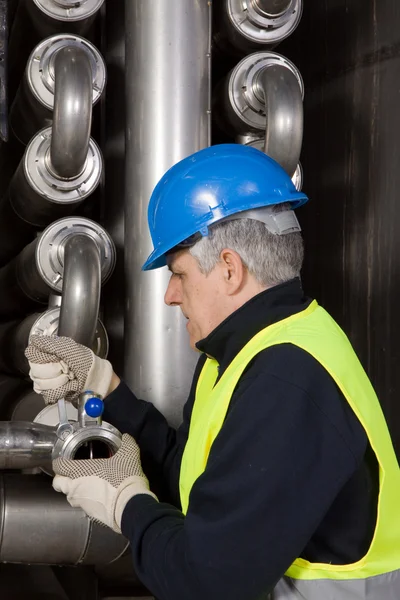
260	28
69	10
49	252
40	73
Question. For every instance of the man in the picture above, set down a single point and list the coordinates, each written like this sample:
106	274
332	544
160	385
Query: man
271	486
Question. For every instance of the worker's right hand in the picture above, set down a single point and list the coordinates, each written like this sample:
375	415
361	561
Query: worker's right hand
61	368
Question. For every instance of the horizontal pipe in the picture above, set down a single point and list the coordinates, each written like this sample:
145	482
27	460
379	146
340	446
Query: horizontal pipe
38	526
284	111
25	445
72	118
81	289
272	8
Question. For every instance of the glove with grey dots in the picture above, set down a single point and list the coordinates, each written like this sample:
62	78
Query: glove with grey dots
103	487
61	368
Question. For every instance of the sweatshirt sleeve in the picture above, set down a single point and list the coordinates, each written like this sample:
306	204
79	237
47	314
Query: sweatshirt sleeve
273	471
161	446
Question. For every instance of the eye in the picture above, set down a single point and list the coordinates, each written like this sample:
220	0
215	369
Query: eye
177	275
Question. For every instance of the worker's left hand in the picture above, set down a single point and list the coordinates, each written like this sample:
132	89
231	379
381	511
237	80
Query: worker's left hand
103	487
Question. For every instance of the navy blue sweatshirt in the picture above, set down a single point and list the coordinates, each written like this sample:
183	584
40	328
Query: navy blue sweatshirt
290	474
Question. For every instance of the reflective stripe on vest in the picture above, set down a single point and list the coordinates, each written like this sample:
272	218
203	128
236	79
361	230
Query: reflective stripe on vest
316	332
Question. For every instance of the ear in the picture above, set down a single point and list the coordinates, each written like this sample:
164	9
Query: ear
233	271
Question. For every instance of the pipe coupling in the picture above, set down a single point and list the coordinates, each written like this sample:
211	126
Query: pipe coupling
69	10
40	69
38	195
49	252
256	23
264	93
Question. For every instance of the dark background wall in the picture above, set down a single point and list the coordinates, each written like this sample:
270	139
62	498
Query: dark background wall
349	54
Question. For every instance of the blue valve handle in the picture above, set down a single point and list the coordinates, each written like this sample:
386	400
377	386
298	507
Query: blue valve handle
94	407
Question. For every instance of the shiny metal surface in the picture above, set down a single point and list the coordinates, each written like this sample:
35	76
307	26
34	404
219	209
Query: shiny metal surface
72	119
81	289
168	118
39	269
38	195
259	143
25	445
279	88
272	8
79	444
264	93
69	10
38	526
50	249
33	105
247	25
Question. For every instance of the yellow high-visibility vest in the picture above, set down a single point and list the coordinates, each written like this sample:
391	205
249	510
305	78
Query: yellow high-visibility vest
377	574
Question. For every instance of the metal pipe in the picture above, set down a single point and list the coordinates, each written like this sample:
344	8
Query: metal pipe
282	95
72	119
167	118
25	445
271	7
81	289
38	526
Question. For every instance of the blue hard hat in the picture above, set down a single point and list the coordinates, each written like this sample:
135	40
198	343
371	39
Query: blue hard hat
208	186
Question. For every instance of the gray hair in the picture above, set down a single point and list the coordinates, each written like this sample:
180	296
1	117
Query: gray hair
272	259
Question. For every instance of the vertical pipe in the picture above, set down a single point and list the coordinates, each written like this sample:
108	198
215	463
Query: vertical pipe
167	119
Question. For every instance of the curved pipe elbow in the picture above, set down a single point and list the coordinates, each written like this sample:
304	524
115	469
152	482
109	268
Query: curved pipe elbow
72	119
81	289
284	111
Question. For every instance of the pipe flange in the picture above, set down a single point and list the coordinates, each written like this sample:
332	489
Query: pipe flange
37	171
260	28
109	439
69	10
243	89
40	69
49	254
47	324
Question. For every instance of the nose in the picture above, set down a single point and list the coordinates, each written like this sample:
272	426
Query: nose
173	295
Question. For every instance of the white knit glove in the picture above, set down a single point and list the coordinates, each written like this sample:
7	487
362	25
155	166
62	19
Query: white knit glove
103	487
61	368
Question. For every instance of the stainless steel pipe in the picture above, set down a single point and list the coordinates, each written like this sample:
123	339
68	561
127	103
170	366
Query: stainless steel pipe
38	526
282	96
81	290
167	118
263	96
33	105
72	120
25	445
272	8
39	269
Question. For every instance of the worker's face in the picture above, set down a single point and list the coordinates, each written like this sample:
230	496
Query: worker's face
200	297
